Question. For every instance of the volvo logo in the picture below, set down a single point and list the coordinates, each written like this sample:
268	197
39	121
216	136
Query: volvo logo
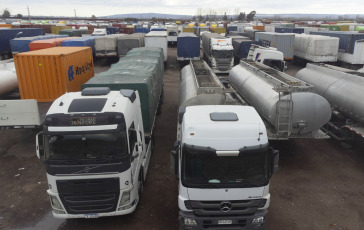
225	206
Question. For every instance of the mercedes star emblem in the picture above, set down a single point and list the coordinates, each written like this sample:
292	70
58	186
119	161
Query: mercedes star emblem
225	206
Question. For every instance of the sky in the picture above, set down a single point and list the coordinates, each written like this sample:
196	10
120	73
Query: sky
87	8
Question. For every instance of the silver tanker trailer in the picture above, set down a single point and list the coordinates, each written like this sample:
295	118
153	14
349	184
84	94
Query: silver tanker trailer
344	89
289	106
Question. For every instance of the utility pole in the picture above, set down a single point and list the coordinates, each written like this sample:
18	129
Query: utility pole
28	13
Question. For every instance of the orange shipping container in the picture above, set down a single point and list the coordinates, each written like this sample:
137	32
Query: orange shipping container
261	28
6	26
47	43
46	74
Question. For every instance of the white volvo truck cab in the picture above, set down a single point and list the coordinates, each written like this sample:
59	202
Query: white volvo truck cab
223	162
95	152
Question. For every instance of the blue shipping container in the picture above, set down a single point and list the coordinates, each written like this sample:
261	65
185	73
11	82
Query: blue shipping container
347	39
83	41
231	28
19	45
112	30
242	47
7	34
188	46
158	29
141	30
289	30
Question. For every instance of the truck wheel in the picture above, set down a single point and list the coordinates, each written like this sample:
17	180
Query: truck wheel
140	183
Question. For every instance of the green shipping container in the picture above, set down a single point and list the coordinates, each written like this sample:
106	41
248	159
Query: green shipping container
142	76
57	29
359	28
331	27
219	30
71	33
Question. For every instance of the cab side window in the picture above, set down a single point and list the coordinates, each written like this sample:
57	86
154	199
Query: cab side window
132	137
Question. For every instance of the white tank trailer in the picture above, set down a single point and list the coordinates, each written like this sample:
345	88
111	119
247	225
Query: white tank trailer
344	89
287	103
199	86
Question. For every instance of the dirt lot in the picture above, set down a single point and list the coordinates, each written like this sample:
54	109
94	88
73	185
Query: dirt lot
318	186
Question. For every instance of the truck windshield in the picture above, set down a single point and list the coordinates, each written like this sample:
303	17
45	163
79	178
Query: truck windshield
201	167
223	54
85	146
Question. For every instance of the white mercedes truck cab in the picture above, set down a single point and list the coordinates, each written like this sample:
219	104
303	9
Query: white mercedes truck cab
223	161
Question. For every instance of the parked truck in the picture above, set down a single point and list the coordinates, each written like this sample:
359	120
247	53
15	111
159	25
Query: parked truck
172	34
268	56
157	39
343	88
218	52
97	143
107	46
315	48
188	47
222	157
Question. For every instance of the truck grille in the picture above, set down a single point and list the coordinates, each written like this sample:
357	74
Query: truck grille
223	65
89	196
238	207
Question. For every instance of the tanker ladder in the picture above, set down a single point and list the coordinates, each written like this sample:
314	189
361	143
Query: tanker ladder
284	85
284	112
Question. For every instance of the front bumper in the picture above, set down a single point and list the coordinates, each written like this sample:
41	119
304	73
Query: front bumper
116	213
238	222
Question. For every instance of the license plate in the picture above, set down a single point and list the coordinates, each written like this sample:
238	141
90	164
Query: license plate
224	222
92	215
80	121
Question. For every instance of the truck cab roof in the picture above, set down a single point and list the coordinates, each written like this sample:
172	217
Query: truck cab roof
77	102
223	127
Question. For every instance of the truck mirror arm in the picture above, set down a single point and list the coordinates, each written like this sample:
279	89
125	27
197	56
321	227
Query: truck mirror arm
176	162
134	156
40	146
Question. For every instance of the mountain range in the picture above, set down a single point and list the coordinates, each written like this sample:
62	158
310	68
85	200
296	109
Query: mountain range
260	16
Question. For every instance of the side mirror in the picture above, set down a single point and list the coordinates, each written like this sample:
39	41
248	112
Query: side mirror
40	145
275	160
135	155
176	145
174	166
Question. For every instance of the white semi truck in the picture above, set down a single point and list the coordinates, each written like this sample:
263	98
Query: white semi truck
96	144
218	52
268	56
95	152
222	157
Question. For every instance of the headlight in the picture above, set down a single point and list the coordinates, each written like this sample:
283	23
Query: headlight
55	203
190	222
258	220
125	198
